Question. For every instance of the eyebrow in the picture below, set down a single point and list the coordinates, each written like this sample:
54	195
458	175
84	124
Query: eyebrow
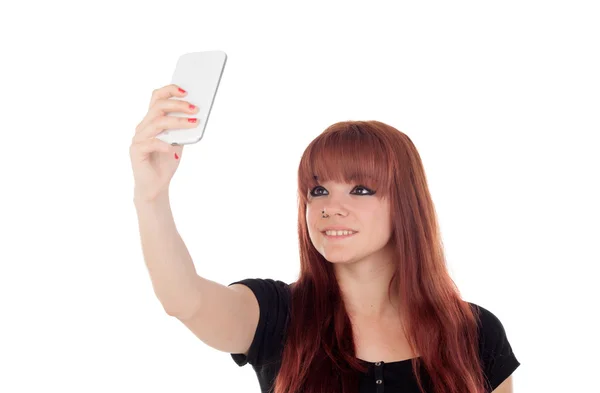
353	176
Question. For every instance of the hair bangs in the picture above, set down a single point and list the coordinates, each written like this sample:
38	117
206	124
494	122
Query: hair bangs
344	153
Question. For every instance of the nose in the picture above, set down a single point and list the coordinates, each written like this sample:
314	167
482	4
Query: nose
333	203
333	211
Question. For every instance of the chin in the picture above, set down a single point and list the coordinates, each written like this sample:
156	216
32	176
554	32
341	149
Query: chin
338	260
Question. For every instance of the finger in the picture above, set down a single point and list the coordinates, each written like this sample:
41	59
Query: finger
166	106
165	92
162	107
162	93
161	123
153	145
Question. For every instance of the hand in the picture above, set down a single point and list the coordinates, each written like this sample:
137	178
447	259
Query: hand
153	161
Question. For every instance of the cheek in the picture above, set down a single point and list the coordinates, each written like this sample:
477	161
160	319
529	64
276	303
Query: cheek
311	218
314	209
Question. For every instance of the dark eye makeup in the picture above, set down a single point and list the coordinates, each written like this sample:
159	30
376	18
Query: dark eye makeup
368	191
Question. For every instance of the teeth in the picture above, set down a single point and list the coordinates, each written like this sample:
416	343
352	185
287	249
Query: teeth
338	233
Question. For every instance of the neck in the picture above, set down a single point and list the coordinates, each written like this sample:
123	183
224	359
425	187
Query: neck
364	288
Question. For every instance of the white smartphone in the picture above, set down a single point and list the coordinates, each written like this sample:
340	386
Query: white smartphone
198	73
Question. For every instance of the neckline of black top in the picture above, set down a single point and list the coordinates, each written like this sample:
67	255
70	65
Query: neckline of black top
397	362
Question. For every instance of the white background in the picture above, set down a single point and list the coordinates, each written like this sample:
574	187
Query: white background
501	99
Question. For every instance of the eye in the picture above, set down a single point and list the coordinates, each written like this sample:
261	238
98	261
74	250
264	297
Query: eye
314	190
367	191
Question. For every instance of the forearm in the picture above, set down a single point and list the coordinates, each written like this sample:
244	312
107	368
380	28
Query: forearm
171	269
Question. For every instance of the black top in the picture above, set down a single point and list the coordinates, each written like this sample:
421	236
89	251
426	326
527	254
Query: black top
267	346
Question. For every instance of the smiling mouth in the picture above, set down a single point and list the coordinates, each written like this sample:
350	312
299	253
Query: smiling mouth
338	237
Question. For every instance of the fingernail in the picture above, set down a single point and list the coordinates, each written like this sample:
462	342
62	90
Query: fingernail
192	119
181	90
176	156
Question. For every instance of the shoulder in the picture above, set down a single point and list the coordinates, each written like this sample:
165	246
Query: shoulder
265	285
273	298
496	353
492	334
489	324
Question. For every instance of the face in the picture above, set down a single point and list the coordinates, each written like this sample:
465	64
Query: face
355	207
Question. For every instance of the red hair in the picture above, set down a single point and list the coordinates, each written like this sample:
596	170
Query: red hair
319	353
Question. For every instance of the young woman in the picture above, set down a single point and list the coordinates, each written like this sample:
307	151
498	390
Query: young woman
373	309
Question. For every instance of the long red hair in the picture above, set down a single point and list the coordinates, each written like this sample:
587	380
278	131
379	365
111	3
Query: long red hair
319	353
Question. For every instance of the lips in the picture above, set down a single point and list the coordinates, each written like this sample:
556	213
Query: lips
340	237
337	228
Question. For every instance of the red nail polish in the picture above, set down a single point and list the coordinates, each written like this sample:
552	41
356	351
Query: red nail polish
176	156
181	90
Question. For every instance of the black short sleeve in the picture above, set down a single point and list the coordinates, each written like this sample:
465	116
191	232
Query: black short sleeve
274	302
497	356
